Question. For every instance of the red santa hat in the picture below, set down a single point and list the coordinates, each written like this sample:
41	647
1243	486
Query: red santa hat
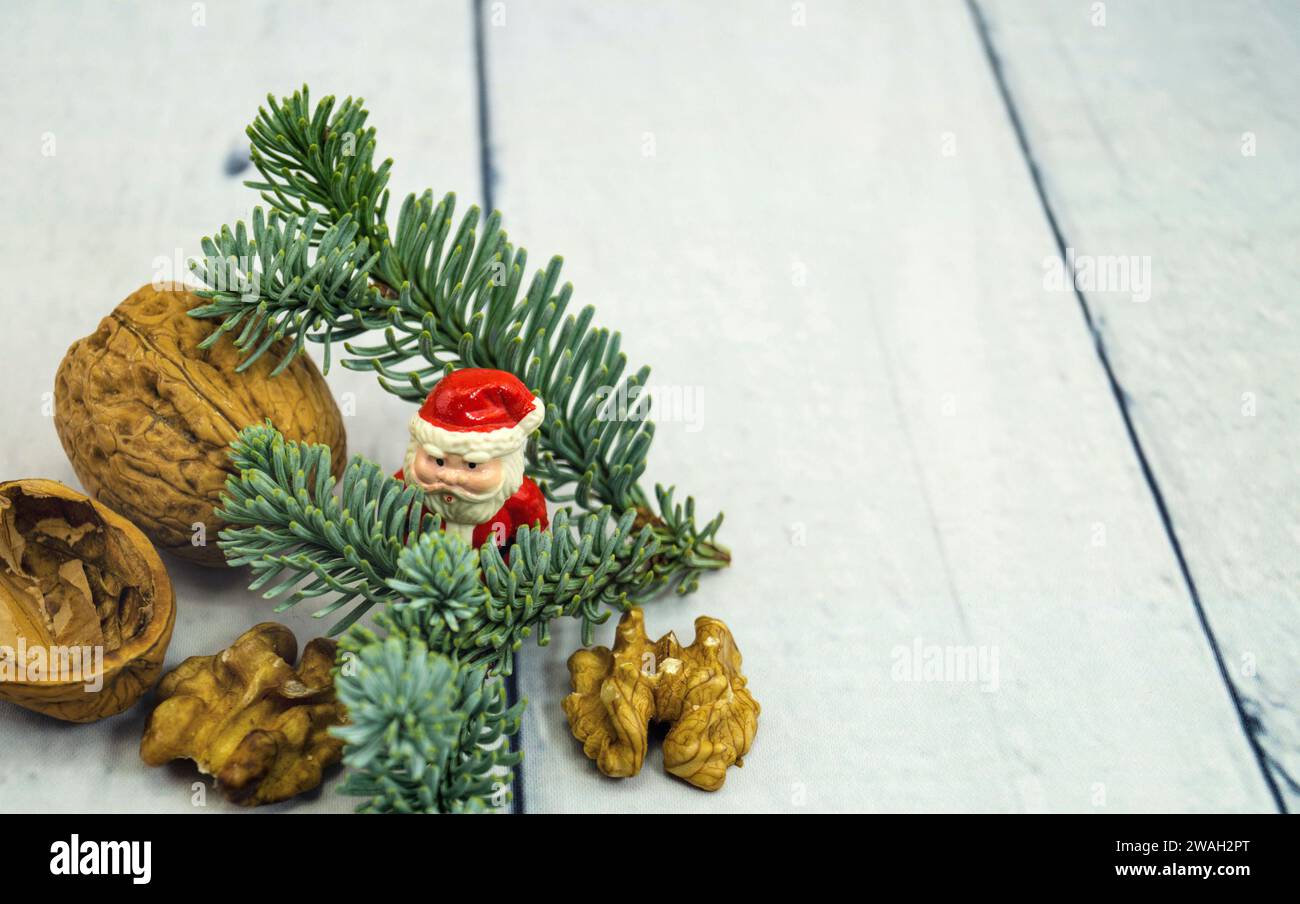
479	413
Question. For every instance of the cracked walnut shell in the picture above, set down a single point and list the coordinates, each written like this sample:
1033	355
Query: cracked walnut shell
248	717
698	690
86	607
146	416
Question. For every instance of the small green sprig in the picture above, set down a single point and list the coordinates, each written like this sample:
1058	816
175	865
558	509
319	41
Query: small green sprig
479	607
277	288
288	525
425	733
321	159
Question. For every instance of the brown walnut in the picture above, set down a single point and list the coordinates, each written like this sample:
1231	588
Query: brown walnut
86	607
249	718
146	416
698	690
613	699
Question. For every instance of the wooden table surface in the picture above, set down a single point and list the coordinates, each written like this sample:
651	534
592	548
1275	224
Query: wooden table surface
837	230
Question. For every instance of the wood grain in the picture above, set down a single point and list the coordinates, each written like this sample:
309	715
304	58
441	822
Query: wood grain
1169	134
821	230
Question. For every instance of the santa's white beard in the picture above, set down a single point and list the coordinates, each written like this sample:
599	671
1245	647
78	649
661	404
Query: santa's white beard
473	511
465	511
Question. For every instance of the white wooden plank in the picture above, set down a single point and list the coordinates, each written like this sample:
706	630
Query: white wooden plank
144	108
815	217
1167	132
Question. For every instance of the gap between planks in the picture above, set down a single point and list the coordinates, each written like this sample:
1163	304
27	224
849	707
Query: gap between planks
486	179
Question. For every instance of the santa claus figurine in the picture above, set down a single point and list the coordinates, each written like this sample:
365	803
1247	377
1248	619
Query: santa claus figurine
467	455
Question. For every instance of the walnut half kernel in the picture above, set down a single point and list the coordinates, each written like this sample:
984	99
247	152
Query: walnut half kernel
248	717
698	691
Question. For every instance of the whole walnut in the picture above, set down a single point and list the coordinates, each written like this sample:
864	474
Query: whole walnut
147	417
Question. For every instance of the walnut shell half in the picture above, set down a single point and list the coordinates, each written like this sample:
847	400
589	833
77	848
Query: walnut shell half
147	417
86	607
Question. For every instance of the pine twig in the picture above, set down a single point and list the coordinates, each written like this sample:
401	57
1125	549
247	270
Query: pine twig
425	733
442	298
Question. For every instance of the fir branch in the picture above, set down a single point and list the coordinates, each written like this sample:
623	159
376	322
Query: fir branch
276	287
449	298
321	159
289	526
425	733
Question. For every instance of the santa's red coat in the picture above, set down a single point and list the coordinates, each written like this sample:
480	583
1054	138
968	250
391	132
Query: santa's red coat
526	507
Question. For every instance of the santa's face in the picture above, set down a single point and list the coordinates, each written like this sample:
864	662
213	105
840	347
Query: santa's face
461	490
455	477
